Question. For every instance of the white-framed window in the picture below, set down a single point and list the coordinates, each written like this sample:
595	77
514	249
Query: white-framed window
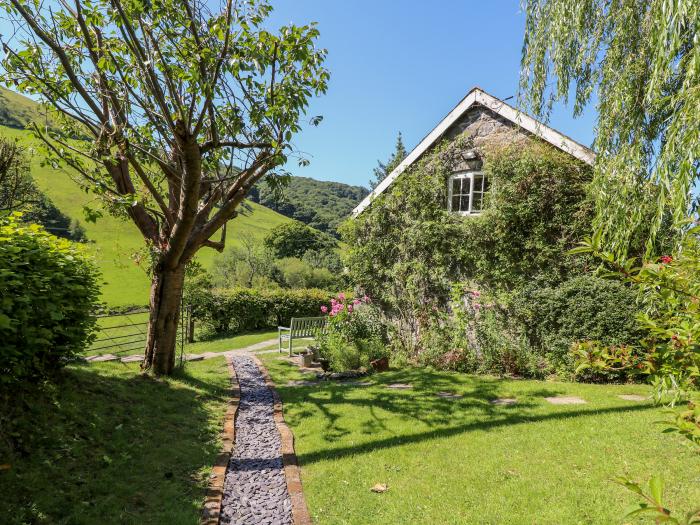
466	192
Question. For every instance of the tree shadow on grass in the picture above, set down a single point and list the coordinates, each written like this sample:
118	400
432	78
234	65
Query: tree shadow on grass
106	445
444	417
443	432
418	403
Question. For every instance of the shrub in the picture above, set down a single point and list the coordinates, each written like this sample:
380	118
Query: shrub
48	295
294	239
579	309
245	309
298	273
355	335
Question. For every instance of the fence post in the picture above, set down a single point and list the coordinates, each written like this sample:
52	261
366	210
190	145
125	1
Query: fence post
190	325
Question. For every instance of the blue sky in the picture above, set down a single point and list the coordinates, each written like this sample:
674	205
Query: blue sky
402	66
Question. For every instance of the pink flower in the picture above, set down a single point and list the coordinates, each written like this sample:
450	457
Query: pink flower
356	302
476	293
341	296
665	259
349	308
366	298
477	306
324	309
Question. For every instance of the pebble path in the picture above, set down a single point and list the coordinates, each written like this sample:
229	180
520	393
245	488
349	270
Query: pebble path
255	490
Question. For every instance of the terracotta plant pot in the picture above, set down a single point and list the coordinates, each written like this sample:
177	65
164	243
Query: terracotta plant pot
381	364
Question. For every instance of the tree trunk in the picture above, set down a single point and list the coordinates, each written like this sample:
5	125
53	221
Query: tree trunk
166	294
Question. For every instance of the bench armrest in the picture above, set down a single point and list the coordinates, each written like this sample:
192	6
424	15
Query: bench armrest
280	328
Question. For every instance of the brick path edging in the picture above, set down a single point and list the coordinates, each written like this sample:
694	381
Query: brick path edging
215	491
300	512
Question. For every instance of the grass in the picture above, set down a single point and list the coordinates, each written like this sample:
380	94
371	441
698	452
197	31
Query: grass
468	461
112	446
114	242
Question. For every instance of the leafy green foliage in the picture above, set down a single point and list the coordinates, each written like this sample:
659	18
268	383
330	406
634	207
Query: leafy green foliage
670	291
538	209
581	308
320	204
407	250
355	334
668	354
641	62
230	311
653	503
294	239
300	273
48	291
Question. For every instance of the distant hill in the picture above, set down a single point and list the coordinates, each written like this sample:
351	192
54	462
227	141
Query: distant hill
320	204
17	111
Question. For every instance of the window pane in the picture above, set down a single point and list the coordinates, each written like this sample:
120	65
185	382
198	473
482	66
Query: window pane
477	202
455	204
478	182
486	184
456	186
464	203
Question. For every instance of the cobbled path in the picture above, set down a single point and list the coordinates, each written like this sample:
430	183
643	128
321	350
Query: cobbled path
255	491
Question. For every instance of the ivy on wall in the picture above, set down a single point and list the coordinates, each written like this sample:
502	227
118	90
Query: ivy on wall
407	251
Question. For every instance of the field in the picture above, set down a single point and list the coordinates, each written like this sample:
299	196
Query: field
114	242
466	460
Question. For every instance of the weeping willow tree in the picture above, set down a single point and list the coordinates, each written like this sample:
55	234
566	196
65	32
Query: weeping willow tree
640	61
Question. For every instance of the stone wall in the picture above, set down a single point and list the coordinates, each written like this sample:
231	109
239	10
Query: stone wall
483	126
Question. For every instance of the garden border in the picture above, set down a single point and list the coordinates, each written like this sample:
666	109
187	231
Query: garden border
211	511
292	472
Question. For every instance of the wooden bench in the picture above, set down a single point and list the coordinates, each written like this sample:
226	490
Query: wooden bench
300	328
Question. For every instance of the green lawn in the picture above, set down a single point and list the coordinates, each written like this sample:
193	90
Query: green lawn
468	461
114	242
113	446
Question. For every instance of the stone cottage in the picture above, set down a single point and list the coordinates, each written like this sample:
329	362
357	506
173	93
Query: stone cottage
482	117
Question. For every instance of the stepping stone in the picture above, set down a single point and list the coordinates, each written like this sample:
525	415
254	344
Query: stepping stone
632	397
448	395
566	400
101	358
194	357
399	386
356	383
302	383
131	359
504	401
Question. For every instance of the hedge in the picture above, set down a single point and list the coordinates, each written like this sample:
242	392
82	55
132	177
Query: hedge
245	309
48	293
582	308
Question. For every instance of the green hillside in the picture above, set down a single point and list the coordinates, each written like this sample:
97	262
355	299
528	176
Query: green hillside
320	204
114	242
16	111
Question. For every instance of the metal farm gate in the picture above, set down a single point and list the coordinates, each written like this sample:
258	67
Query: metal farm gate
124	334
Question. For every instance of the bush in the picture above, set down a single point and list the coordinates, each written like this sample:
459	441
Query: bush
245	309
582	308
48	295
355	335
294	239
298	273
